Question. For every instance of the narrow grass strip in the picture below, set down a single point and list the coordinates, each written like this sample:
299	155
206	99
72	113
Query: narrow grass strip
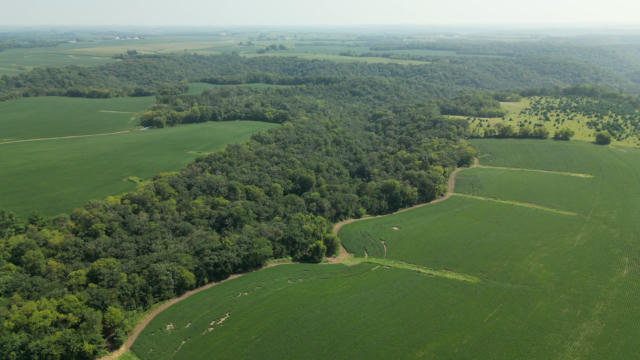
564	173
64	137
517	203
421	269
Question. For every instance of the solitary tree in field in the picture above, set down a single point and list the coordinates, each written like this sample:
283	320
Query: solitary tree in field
603	138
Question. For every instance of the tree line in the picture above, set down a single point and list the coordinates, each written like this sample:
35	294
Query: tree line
12	43
616	56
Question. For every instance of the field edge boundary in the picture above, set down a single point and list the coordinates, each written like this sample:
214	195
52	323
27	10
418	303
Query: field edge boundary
142	324
447	274
517	203
563	173
64	137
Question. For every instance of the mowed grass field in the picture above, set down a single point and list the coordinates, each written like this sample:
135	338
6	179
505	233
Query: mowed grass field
555	252
53	176
46	117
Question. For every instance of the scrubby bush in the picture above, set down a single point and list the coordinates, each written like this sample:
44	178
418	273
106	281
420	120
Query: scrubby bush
563	134
603	138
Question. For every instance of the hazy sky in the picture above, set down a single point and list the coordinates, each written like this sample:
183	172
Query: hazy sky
317	12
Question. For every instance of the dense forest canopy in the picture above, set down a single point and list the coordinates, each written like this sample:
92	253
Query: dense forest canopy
142	75
615	53
14	44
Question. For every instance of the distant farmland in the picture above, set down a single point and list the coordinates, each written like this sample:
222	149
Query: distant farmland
46	117
16	61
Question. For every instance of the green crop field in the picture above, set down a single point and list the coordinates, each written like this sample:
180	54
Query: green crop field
96	52
57	175
545	233
45	117
15	61
578	269
315	312
128	356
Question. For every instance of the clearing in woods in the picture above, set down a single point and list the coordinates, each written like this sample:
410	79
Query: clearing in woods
84	167
575	113
549	286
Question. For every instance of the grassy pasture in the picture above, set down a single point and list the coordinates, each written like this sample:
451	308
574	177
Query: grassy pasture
53	176
578	124
515	118
551	286
45	117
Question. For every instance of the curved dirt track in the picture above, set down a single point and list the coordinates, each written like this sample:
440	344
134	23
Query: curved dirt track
451	185
342	255
147	318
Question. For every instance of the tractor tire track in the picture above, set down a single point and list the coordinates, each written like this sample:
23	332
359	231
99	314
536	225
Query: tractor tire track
147	318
